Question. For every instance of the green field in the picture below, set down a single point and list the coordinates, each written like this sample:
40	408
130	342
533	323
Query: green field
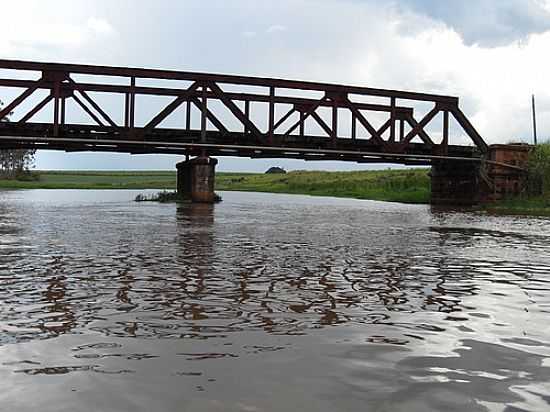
95	180
407	186
411	186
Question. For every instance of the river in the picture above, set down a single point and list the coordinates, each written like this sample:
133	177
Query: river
269	303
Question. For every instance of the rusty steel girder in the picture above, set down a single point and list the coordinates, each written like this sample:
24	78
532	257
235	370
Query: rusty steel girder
280	136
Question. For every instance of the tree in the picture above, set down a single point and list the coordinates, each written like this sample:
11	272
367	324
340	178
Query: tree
15	163
275	170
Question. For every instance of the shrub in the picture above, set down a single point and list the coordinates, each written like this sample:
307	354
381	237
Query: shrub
539	170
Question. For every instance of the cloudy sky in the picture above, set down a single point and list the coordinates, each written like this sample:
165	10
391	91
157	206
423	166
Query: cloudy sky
493	54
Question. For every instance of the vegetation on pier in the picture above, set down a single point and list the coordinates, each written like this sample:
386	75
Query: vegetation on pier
161	197
168	197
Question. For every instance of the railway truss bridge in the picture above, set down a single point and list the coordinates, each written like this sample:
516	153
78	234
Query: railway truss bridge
74	108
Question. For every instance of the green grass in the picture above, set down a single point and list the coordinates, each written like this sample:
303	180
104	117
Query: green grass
407	186
529	206
410	186
96	180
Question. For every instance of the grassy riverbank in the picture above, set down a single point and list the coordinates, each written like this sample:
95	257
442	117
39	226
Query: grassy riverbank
411	186
535	201
96	180
408	186
528	206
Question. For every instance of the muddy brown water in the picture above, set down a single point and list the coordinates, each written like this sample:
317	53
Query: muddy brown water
269	303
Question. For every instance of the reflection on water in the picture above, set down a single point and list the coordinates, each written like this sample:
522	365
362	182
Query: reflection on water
269	302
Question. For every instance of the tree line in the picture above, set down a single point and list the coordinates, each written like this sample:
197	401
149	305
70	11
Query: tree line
15	163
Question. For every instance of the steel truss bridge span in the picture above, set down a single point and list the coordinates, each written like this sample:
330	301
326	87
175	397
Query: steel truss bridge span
222	115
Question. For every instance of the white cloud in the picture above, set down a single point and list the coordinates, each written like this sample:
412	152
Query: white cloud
494	84
35	27
276	29
365	43
368	46
100	26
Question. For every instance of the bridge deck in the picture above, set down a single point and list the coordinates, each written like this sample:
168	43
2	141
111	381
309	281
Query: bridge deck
78	138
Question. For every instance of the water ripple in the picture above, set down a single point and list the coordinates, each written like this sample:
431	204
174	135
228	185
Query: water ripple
286	269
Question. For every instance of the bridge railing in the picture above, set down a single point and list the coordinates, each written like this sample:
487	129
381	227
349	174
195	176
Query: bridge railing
283	124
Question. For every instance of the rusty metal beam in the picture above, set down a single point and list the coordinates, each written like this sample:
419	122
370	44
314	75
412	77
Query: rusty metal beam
284	118
220	78
304	114
36	109
209	115
469	129
421	132
87	110
162	91
98	109
322	123
418	127
280	150
204	88
242	117
359	116
32	87
170	108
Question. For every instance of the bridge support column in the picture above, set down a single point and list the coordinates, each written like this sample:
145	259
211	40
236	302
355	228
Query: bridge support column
195	179
506	182
469	183
455	183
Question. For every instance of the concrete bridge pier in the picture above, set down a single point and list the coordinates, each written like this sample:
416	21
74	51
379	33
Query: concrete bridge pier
455	183
195	179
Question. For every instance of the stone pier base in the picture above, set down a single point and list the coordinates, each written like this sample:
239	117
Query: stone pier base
195	179
507	182
455	183
463	183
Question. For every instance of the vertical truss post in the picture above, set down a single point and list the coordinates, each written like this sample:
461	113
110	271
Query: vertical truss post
63	111
126	110
334	133
302	123
132	109
247	115
203	114
56	94
445	142
401	129
353	126
392	120
271	114
188	115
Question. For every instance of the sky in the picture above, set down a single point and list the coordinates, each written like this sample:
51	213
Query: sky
493	54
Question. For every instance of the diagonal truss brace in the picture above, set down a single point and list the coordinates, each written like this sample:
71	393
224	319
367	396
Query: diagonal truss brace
242	117
170	108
